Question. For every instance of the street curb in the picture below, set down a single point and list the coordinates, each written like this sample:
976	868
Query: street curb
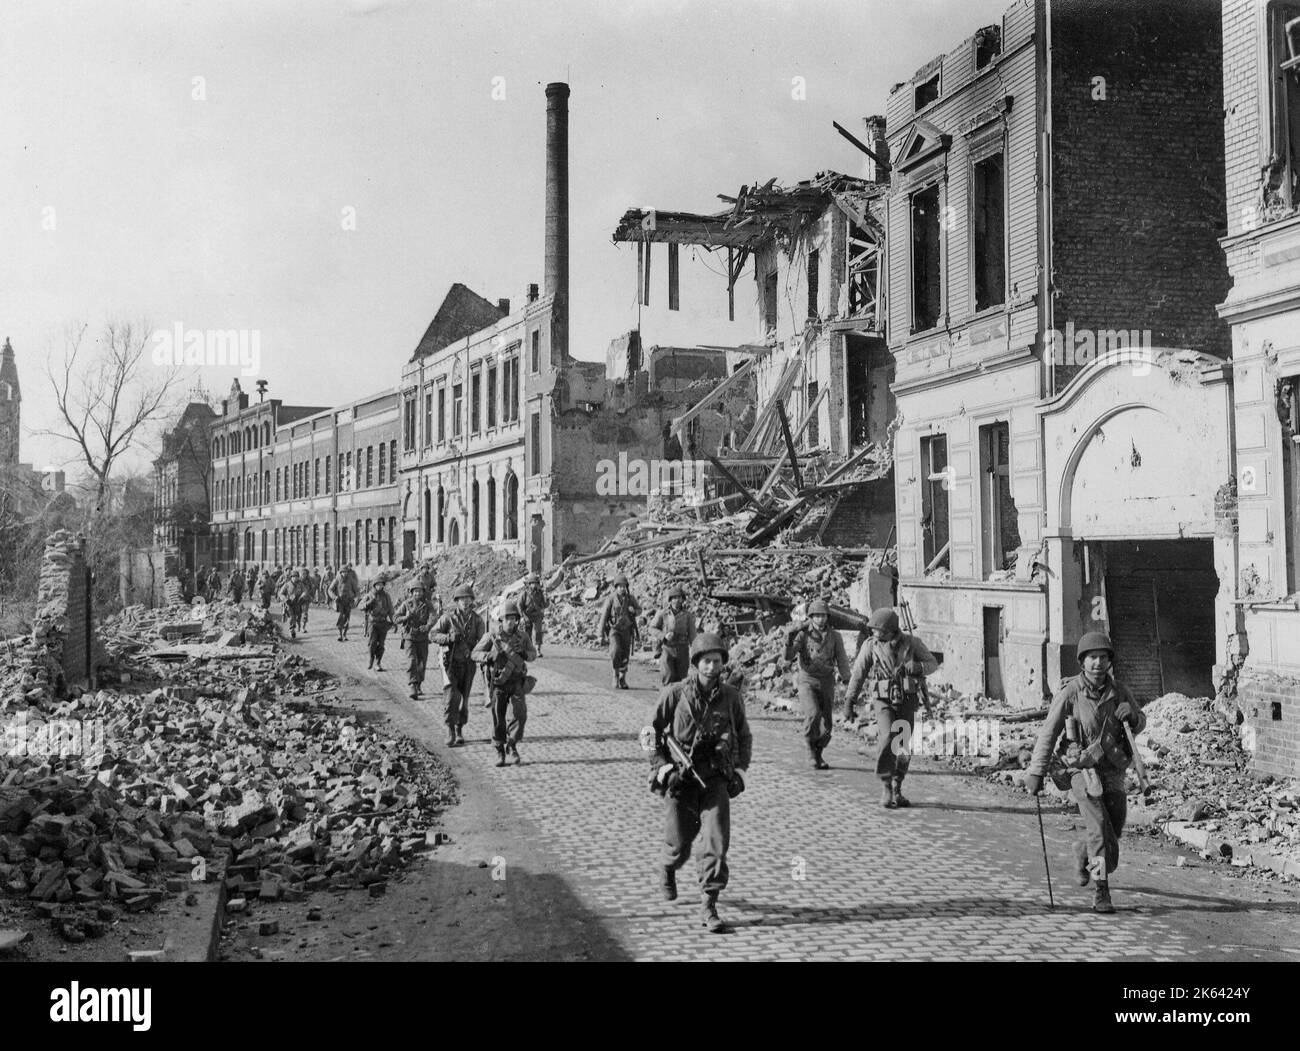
1244	855
195	939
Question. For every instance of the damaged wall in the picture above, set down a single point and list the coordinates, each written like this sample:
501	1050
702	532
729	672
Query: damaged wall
63	628
143	576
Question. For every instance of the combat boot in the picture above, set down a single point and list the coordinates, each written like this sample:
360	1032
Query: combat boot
709	915
1081	859
460	735
514	753
818	762
900	800
616	683
501	755
622	681
668	883
451	738
887	799
1101	898
816	758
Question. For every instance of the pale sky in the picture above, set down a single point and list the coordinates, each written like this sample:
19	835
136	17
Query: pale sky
126	195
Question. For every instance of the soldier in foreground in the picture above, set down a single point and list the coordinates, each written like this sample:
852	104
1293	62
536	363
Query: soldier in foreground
819	652
532	606
1091	709
344	590
504	654
618	628
673	630
415	616
892	666
378	607
701	741
458	631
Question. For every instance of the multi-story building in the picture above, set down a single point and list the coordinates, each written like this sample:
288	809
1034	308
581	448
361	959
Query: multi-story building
1053	216
1261	76
305	485
182	474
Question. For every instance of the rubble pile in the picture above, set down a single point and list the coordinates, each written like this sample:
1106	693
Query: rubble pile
242	768
489	571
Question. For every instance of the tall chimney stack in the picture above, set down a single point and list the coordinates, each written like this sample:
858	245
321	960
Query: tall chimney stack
557	214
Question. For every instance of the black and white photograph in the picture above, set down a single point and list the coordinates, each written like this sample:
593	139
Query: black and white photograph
672	480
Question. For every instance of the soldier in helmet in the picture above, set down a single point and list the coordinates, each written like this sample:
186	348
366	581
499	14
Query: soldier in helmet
266	586
673	630
343	589
378	607
1090	708
618	628
892	666
458	631
504	654
706	717
416	616
819	651
532	606
237	587
291	594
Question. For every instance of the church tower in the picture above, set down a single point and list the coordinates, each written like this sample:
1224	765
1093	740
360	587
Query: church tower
10	400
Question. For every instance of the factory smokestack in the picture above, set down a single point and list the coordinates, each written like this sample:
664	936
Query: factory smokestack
557	214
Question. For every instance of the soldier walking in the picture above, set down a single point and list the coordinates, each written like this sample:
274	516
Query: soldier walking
291	594
458	631
267	585
415	616
892	666
532	606
673	630
820	654
343	588
237	587
504	654
706	718
618	628
1090	709
378	606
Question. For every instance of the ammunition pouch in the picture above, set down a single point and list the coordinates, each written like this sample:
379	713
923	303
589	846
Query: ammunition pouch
735	784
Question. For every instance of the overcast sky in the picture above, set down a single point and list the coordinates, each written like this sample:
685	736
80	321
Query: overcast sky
197	162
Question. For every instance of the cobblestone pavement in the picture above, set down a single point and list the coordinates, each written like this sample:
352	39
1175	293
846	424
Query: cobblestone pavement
818	869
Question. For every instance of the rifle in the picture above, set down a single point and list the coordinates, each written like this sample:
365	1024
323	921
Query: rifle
1138	765
684	764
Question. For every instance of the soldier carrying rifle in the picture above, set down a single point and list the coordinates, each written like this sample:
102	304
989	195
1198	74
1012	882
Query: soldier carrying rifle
458	631
504	654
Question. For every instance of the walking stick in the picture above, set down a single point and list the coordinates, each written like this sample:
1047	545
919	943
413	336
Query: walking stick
1043	839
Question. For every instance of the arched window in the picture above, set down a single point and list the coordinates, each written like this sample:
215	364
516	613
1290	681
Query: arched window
216	448
263	558
442	514
492	508
428	515
511	524
473	511
266	487
392	548
356	542
453	533
266	433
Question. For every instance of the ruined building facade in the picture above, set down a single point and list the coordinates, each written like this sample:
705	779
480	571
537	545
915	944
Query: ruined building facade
1046	214
182	474
1262	127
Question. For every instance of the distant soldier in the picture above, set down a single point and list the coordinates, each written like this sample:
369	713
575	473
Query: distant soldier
237	587
276	574
378	606
292	594
415	616
343	588
326	579
250	577
706	719
618	628
1090	709
458	631
819	654
504	654
892	666
267	585
213	588
673	630
532	607
315	585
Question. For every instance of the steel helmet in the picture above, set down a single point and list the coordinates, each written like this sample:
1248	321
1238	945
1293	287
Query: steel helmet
463	591
818	606
510	609
676	591
1095	640
621	579
883	619
708	642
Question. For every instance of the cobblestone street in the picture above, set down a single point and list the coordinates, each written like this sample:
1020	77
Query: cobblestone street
818	869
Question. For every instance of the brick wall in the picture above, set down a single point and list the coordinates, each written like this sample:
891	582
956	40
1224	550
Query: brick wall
149	576
1277	741
62	629
1243	107
1138	177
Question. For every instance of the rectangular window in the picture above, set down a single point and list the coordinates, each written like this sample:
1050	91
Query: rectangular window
999	523
536	351
1288	404
936	482
989	221
408	423
350	478
316	478
428	418
442	414
926	298
392	462
510	390
814	276
457	400
988	44
535	442
382	450
1282	175
814	435
475	400
277	483
769	301
491	396
370	466
926	92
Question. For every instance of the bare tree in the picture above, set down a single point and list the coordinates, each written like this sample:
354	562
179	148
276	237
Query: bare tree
106	395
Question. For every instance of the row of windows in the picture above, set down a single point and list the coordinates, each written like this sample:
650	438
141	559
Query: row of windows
370	541
241	440
375	465
444	413
482	526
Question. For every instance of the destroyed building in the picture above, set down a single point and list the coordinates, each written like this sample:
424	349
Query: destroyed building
24	490
1261	666
182	475
1052	275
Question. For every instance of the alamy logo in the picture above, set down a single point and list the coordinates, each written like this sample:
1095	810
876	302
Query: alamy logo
651	477
213	347
1082	346
76	1004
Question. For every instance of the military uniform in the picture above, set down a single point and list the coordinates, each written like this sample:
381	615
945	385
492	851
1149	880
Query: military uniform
892	672
504	654
415	615
378	607
709	724
237	587
268	589
675	632
618	626
532	607
344	590
819	656
458	632
292	594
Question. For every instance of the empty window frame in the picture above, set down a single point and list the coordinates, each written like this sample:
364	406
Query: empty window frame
988	233
927	293
936	483
999	521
